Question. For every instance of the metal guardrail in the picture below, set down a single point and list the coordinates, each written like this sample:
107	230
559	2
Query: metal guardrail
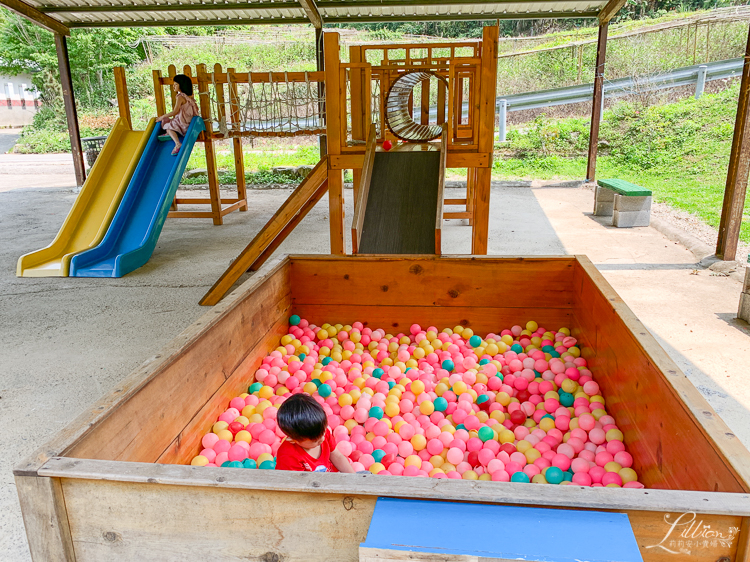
697	74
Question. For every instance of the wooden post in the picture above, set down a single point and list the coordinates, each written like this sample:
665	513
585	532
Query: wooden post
239	157
739	166
123	103
598	100
359	131
208	142
320	66
333	135
481	206
71	114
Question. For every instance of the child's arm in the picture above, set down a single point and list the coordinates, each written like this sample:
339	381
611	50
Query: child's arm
341	462
172	113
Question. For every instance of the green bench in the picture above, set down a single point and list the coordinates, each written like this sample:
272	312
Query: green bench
628	204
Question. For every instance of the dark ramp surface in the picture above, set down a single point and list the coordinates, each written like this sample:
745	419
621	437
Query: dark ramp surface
402	204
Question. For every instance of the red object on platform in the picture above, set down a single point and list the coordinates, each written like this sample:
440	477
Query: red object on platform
387	145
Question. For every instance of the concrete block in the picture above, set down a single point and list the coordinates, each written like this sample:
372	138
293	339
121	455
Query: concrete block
630	203
744	309
626	219
604	200
747	279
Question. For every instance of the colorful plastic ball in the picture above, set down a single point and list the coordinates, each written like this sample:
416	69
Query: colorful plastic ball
378	373
326	361
294	320
520	476
199	460
255	387
376	412
475	341
324	390
378	455
249	463
448	365
440	404
232	464
387	145
267	465
554	475
486	433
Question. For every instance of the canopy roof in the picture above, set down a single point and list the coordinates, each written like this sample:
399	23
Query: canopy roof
61	15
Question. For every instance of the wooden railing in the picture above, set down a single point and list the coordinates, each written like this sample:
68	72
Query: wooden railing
360	204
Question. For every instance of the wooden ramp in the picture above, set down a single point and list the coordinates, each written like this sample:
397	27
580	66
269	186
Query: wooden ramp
399	207
404	530
286	219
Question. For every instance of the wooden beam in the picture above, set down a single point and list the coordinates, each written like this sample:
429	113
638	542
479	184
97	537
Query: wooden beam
334	113
71	114
739	166
312	13
32	14
598	100
610	10
123	102
166	8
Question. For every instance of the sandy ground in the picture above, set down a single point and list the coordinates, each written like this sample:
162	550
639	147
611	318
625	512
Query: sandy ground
67	341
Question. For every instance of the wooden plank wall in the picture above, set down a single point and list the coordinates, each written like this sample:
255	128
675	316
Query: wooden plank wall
160	419
647	394
485	294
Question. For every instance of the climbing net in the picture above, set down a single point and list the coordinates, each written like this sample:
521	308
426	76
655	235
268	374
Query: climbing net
268	107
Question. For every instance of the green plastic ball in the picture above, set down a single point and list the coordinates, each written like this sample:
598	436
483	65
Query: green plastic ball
553	475
440	404
460	426
482	398
486	433
232	464
324	390
302	356
377	373
391	384
326	361
376	412
294	320
484	361
255	387
448	365
475	341
378	455
267	465
566	399
317	382
517	347
249	463
520	476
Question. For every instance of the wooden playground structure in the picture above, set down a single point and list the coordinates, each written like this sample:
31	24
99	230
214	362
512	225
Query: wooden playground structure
241	105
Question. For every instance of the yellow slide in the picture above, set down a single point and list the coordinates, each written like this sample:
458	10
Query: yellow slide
96	204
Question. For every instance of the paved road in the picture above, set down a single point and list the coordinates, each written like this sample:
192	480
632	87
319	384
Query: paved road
19	171
8	138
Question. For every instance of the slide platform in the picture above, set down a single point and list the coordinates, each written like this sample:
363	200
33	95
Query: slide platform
402	203
137	224
96	204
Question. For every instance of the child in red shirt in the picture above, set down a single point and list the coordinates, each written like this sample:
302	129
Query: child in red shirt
309	446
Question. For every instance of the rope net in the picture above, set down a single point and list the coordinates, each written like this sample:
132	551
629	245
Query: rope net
268	108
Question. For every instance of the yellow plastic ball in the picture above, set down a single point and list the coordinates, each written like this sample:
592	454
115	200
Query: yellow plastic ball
376	467
507	339
225	434
282	390
265	392
613	467
199	460
614	435
350	424
470	474
413	460
437	460
523	446
503	398
243	435
417	387
255	418
492	349
427	407
570	386
506	436
532	326
627	475
392	409
345	400
487	477
418	442
538	479
435	471
459	388
264	457
219	425
546	424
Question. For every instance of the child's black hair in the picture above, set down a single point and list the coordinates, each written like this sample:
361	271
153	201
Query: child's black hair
301	417
186	85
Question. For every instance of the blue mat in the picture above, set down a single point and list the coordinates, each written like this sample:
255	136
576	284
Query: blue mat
499	531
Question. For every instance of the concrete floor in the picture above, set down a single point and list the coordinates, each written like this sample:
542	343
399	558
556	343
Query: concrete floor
67	341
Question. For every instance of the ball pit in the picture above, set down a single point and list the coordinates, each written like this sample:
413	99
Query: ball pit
519	405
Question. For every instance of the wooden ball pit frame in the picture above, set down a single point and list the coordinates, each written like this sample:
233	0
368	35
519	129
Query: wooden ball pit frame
88	496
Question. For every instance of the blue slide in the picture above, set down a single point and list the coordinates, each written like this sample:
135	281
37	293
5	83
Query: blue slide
136	226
